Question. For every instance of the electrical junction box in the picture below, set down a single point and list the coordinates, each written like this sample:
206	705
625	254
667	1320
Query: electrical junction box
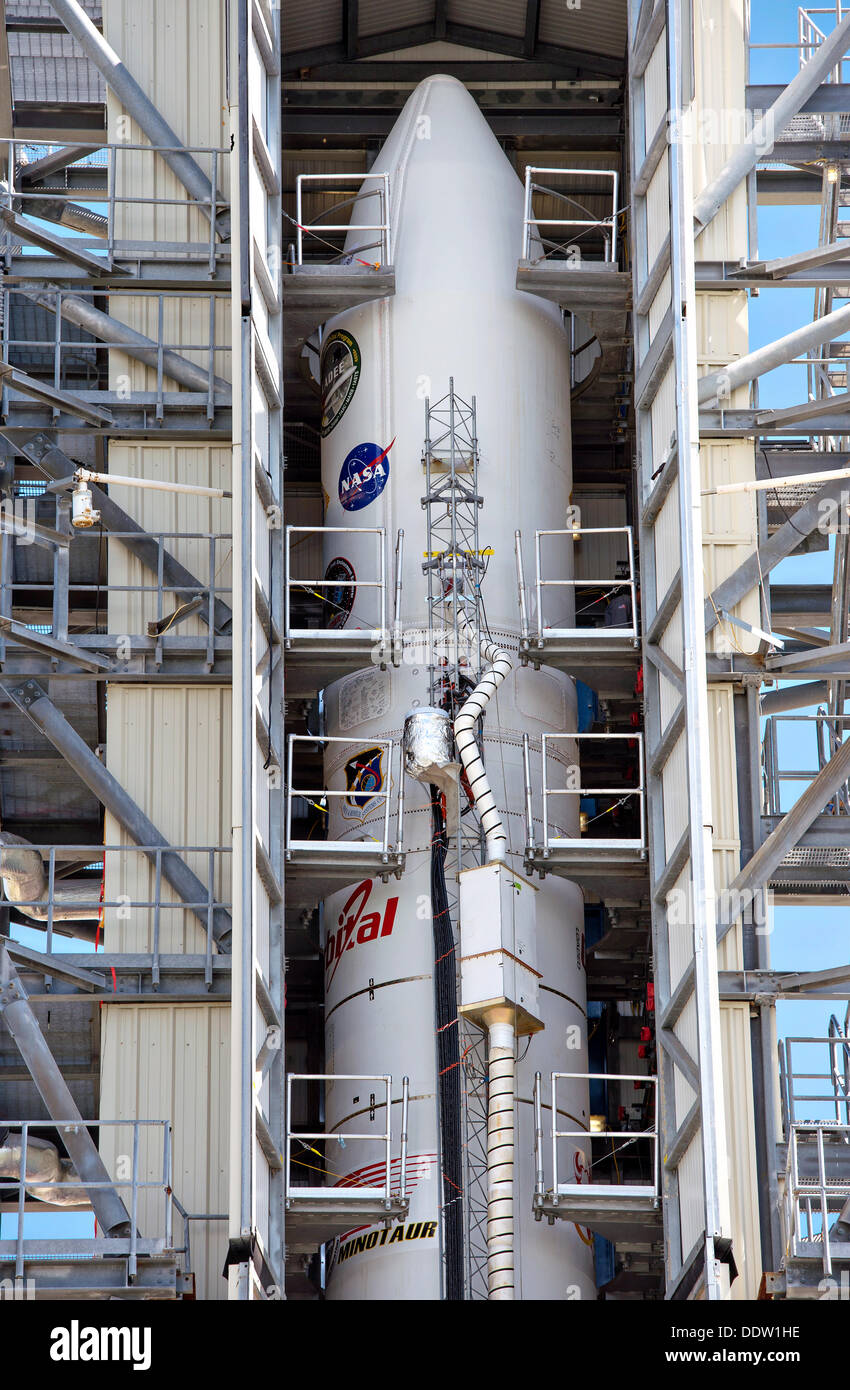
498	955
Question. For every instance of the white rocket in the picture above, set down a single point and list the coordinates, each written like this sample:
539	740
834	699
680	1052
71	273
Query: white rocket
456	215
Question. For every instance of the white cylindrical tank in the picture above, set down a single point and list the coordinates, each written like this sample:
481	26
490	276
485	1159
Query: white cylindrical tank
457	227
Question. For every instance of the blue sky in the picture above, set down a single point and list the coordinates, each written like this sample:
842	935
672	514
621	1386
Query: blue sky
808	938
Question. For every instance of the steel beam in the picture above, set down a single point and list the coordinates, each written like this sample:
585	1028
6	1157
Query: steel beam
758	872
794	697
42	451
136	102
135	344
32	701
720	384
22	1023
763	135
776	548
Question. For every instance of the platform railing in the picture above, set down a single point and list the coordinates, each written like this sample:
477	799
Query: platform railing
105	913
320	797
317	229
109	174
20	1249
829	731
825	1091
319	587
814	1202
344	1191
611	587
607	226
582	1139
53	354
621	794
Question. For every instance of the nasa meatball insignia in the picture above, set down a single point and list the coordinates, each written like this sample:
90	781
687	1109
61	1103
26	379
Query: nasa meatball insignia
340	374
364	475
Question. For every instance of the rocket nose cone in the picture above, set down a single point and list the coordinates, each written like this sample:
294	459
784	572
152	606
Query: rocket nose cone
450	181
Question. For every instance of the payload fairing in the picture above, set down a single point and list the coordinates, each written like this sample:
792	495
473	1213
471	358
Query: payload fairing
456	214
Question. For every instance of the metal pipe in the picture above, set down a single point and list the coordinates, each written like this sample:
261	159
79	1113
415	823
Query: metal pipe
405	1098
765	131
142	109
85	475
65	214
539	1178
41	450
501	1089
47	1177
721	384
42	1066
499	665
794	697
34	703
110	330
25	881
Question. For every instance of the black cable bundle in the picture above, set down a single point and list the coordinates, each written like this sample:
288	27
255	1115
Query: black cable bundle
448	1056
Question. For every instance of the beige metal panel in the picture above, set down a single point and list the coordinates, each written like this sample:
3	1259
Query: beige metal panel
691	1209
660	304
669	696
597	557
721	118
730	532
185	328
170	747
721	328
666	541
658	210
740	1132
163	512
655	89
680	925
674	779
155	38
164	1063
662	416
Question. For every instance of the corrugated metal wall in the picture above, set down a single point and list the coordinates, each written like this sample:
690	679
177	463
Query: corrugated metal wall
171	747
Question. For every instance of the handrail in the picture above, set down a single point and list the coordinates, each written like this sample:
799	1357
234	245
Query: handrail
341	1191
630	1136
623	793
529	221
22	1128
576	533
316	228
774	775
383	793
354	584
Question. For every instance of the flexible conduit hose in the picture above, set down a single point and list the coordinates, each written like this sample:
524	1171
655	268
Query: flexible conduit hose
501	1074
499	665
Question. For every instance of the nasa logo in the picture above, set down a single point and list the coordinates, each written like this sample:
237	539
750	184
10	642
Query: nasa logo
340	598
364	779
364	475
355	929
340	372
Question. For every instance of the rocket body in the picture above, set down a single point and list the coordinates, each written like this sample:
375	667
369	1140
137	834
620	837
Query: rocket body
456	216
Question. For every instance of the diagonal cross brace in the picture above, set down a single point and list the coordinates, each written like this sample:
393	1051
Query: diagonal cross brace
758	871
32	701
775	549
23	1025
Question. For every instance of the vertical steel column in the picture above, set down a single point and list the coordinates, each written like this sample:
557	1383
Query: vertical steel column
679	53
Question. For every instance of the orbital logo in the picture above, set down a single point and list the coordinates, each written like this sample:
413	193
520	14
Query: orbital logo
364	475
358	927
